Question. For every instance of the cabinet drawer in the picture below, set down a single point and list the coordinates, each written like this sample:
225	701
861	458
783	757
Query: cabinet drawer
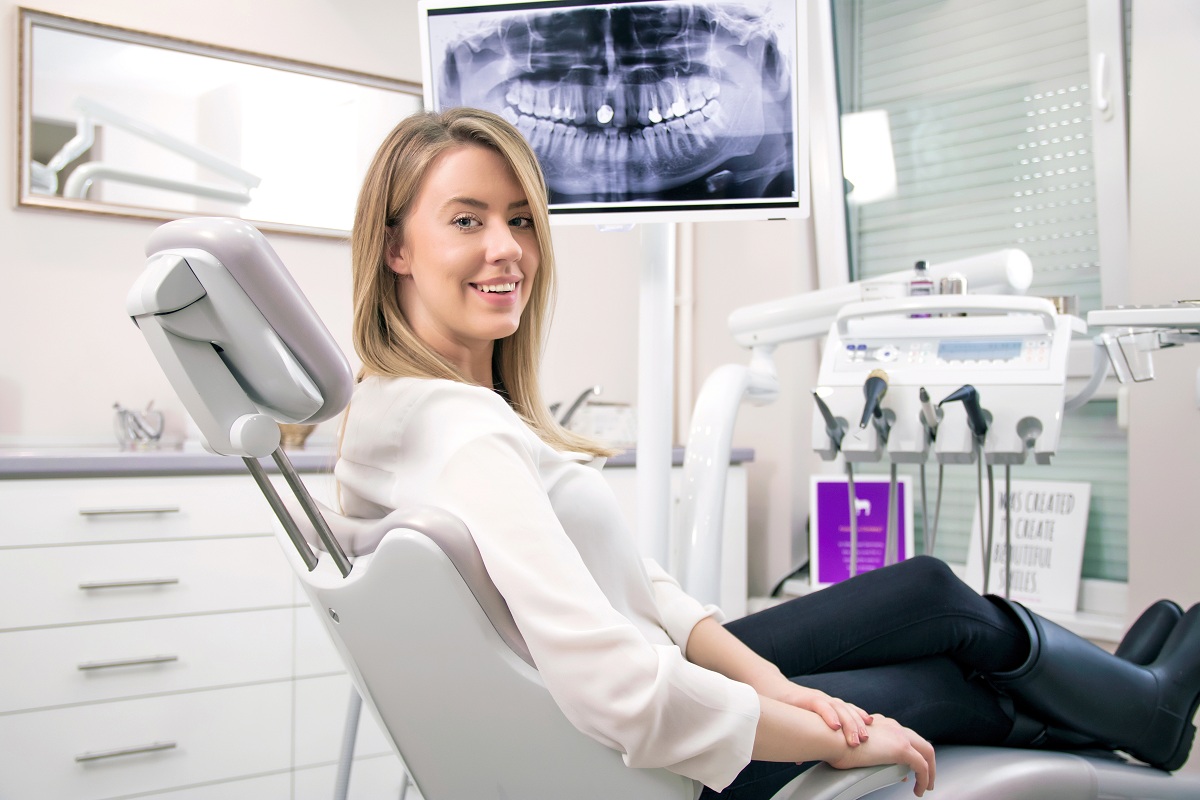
89	510
92	663
271	787
42	586
321	705
204	736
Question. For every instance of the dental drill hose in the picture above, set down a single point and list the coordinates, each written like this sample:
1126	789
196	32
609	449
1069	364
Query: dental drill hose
977	422
836	430
874	389
930	420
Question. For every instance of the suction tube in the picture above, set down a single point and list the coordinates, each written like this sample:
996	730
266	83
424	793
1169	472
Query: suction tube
874	389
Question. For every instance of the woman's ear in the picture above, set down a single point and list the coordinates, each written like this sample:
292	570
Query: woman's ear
397	258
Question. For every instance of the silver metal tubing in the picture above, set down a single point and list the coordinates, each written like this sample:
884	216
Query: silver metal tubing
341	784
937	509
281	512
106	512
124	584
310	508
127	662
991	507
126	751
925	540
891	553
853	495
985	543
1007	531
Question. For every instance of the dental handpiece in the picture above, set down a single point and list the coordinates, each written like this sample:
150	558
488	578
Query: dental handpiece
874	389
928	413
834	429
969	397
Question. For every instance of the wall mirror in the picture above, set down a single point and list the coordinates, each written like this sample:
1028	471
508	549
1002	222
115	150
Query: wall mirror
121	122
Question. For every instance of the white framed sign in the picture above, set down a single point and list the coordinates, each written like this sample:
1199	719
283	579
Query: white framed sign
1049	526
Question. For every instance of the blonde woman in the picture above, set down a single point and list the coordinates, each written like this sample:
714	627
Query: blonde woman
453	283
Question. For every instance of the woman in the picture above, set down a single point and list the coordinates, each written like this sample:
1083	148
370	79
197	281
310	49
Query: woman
453	280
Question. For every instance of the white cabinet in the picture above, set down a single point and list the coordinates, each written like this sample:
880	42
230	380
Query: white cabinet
154	640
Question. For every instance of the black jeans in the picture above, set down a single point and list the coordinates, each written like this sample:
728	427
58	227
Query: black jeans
906	641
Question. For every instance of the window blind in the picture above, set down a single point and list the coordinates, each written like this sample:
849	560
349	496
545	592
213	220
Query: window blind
989	110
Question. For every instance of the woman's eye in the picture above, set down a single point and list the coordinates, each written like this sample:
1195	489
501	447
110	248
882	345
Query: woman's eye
523	223
465	222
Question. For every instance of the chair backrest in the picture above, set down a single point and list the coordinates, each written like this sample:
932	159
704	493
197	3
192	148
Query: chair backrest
425	635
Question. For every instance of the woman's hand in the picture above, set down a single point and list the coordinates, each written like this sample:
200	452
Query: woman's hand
713	647
892	743
839	715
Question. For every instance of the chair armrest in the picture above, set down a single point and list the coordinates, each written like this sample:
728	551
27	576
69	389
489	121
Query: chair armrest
823	782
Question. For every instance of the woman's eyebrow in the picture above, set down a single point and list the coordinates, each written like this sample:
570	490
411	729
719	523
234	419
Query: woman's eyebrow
474	203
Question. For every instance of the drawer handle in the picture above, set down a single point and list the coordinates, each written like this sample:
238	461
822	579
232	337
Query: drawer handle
105	512
125	584
125	751
127	662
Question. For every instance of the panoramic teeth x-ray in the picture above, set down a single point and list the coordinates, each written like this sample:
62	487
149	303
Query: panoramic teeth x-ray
670	100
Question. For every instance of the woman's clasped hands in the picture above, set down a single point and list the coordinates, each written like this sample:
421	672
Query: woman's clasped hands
871	739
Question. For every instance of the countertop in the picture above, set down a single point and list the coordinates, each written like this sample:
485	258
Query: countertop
85	462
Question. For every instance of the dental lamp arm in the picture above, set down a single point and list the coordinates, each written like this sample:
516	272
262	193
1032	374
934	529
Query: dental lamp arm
92	111
809	315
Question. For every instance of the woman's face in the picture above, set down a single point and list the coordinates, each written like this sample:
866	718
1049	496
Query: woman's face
467	257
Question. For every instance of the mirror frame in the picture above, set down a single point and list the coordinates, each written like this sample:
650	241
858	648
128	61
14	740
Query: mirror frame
28	18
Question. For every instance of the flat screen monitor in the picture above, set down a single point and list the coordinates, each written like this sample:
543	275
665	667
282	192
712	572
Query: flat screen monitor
659	110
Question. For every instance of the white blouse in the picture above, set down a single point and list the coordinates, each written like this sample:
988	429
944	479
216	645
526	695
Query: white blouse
606	628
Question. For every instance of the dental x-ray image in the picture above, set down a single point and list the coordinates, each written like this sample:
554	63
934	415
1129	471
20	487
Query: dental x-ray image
660	106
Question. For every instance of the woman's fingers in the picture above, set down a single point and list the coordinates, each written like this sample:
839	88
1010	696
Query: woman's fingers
839	715
895	744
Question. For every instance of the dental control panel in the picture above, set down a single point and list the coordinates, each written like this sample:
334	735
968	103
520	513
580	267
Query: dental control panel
946	353
893	375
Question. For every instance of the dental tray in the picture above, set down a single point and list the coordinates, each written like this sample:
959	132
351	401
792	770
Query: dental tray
1182	314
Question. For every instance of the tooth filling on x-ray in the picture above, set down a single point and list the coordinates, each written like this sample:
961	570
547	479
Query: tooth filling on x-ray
651	97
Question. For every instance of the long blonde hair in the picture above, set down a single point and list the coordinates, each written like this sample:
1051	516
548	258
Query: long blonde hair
382	336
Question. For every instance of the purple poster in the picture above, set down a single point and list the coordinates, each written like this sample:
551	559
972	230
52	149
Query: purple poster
829	548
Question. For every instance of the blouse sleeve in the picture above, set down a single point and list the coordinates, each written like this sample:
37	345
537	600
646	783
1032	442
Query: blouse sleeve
680	611
644	700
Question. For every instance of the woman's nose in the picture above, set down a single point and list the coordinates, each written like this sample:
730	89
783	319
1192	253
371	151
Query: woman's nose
503	244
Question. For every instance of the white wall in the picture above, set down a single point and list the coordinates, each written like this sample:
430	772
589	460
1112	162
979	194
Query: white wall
70	353
1164	419
1164	430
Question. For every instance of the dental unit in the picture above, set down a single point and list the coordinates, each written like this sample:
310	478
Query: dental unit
975	379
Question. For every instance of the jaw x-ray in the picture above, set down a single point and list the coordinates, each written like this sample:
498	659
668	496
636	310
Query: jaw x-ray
657	103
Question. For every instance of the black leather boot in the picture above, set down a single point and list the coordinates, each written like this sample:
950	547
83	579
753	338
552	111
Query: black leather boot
1146	636
1145	711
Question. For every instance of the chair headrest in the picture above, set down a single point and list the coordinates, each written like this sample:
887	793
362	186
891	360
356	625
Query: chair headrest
251	261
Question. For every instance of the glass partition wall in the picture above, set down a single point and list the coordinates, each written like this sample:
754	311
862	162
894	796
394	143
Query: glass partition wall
968	127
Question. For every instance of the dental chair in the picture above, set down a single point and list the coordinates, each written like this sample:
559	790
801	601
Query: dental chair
426	638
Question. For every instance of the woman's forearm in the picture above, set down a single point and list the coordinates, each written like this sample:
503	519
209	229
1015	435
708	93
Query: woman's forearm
787	733
712	647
